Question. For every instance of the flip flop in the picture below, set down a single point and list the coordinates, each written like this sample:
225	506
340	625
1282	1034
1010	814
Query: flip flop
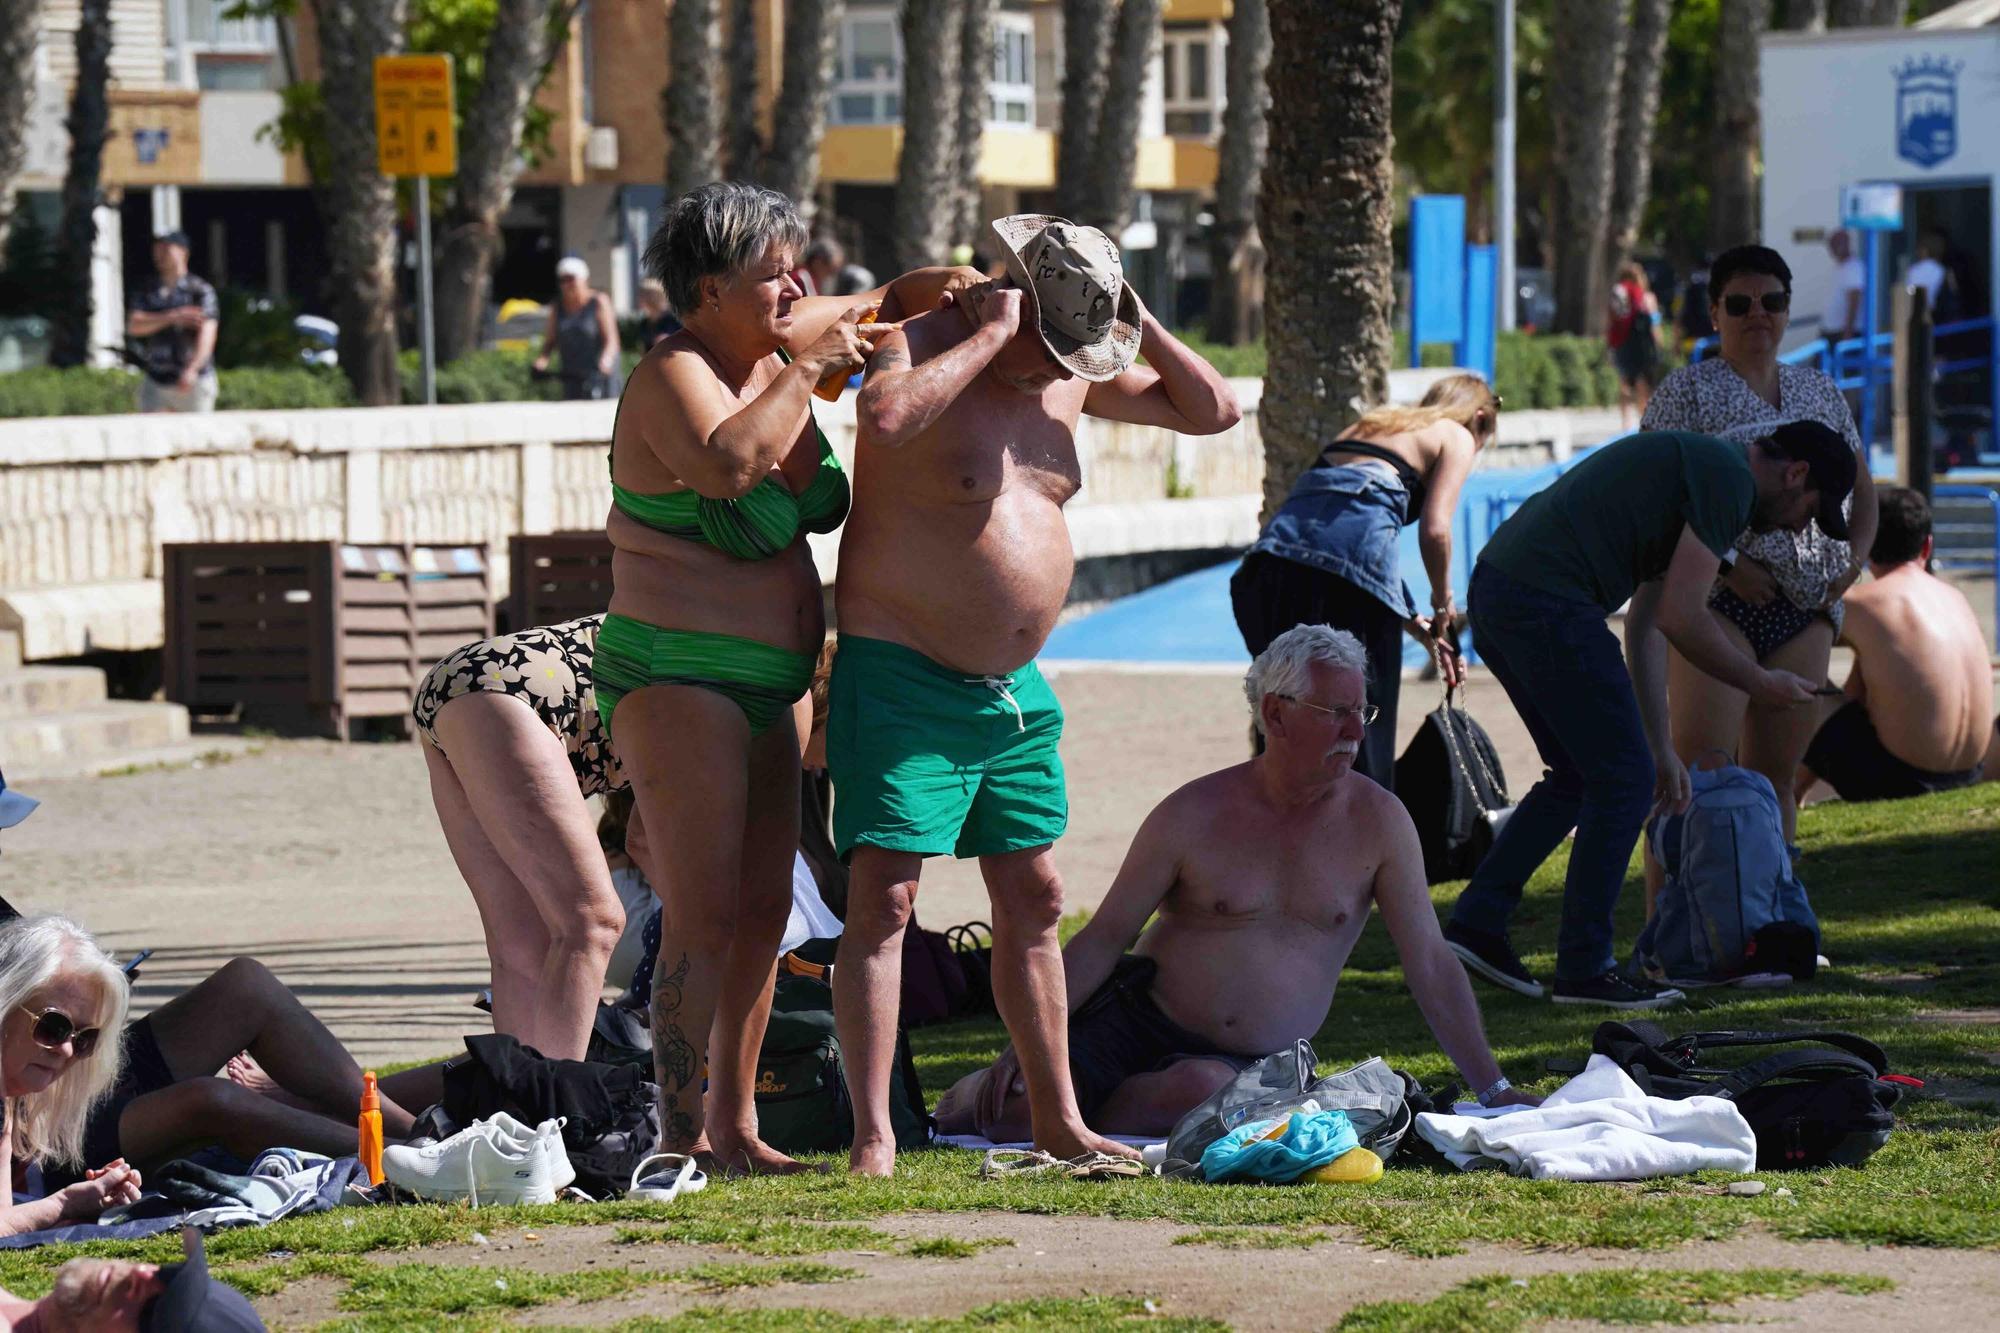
1001	1162
680	1177
1103	1166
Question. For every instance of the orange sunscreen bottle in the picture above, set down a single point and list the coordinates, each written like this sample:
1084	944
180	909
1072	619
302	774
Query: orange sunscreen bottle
829	388
371	1128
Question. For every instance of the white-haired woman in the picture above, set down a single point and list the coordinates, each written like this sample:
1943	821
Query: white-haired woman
710	641
64	1002
582	332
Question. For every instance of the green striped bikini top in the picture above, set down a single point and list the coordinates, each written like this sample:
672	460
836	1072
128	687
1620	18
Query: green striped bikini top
755	526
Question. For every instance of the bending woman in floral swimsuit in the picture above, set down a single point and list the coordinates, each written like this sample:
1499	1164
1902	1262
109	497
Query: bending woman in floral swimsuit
515	746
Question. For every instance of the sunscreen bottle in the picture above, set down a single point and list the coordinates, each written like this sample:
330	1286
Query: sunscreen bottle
371	1128
830	387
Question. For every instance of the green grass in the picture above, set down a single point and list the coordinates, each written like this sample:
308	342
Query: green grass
950	1247
1632	1296
1255	1238
776	1237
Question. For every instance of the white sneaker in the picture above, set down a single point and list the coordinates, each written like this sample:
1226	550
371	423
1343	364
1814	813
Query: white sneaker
498	1160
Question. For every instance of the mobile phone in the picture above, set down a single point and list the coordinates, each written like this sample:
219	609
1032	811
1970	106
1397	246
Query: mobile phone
131	965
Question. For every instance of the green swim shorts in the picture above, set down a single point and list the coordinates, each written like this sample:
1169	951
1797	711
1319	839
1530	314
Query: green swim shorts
761	679
932	760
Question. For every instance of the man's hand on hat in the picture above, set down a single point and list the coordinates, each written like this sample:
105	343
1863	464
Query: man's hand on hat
958	280
991	304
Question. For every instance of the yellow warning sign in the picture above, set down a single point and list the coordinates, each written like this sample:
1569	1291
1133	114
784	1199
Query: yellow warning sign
413	116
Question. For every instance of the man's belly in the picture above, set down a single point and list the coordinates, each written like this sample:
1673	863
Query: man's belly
1252	990
973	586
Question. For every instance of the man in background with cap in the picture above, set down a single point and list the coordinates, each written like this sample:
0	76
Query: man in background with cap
1646	518
953	567
120	1296
176	319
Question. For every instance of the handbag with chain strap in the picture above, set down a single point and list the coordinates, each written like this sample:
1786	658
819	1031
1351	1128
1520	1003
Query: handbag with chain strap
1450	779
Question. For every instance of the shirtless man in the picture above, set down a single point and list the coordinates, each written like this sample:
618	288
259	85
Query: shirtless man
953	566
1262	876
1919	709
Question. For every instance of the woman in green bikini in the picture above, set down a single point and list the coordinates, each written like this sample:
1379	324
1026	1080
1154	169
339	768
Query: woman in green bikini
710	641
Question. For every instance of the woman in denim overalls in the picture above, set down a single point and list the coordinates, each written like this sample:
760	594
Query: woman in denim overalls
1329	554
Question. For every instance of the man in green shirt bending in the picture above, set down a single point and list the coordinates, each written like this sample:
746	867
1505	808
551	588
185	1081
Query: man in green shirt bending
1646	518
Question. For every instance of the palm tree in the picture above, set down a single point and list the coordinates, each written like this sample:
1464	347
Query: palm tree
927	170
1805	15
1732	200
20	21
1086	59
76	236
1324	211
694	130
524	40
1589	58
1135	43
975	65
356	199
1236	255
798	121
1638	109
741	146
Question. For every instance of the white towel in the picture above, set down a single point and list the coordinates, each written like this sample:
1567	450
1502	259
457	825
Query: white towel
1600	1126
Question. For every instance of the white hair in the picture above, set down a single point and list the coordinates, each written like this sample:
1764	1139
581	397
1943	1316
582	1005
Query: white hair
48	1125
1285	667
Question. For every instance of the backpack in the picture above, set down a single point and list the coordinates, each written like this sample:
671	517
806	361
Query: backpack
1830	1104
1731	904
947	974
802	1100
1451	781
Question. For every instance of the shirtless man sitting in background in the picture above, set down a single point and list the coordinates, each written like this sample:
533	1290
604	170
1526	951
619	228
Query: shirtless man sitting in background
953	567
1919	710
1262	876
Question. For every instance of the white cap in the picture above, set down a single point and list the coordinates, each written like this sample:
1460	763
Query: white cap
570	266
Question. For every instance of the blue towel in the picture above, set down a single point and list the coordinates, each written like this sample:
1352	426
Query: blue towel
1311	1138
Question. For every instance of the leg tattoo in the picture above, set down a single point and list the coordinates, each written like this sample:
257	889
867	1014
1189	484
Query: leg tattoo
673	1053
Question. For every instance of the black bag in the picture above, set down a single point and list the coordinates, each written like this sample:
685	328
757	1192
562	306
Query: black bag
947	974
802	1099
1828	1101
1451	781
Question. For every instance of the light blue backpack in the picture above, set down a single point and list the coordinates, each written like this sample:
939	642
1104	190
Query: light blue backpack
1731	905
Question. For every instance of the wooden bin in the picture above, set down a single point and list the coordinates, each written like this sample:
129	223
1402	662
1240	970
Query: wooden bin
557	576
311	635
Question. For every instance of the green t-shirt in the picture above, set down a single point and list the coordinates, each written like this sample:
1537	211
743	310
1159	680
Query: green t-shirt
1611	522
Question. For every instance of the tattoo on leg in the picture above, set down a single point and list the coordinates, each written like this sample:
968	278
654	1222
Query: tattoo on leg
673	1053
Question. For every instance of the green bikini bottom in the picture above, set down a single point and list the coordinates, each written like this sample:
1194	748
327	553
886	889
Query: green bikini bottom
764	681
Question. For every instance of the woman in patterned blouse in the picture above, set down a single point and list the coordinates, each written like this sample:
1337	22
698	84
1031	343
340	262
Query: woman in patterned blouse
1780	598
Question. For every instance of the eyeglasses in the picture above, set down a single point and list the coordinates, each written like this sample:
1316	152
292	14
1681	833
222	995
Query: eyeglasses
1774	303
53	1027
1365	713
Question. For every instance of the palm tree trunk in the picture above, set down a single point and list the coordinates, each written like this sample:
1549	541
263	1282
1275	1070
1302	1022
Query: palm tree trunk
359	202
1805	15
1236	255
694	130
525	33
1588	56
1086	59
1134	44
1865	14
741	145
798	121
1732	196
975	64
1638	108
927	171
20	21
1324	210
76	237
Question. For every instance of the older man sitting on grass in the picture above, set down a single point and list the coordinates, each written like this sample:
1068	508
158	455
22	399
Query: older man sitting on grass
1262	876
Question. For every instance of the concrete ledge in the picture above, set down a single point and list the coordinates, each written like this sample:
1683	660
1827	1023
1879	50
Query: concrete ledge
1164	525
125	616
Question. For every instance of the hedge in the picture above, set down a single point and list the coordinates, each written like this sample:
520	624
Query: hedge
86	392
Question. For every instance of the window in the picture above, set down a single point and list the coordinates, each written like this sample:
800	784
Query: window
212	51
1011	99
869	76
1191	80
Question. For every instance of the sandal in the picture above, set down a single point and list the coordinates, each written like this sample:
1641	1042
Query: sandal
1103	1166
680	1177
1019	1162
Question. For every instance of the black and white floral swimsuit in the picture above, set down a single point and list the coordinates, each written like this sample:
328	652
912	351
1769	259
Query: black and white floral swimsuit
1710	397
547	668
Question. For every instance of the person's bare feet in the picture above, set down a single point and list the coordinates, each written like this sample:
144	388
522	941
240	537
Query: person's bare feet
244	1071
748	1155
872	1157
957	1110
1074	1141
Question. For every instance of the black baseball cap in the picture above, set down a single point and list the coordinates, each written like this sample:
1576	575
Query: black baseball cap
1830	464
191	1301
175	237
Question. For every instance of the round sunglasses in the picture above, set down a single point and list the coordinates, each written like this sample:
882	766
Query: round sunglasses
53	1027
1738	305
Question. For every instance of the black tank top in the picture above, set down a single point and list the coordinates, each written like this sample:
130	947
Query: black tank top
1413	480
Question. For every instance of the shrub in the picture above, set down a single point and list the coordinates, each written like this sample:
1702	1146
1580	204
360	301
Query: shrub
83	392
256	331
273	387
491	376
